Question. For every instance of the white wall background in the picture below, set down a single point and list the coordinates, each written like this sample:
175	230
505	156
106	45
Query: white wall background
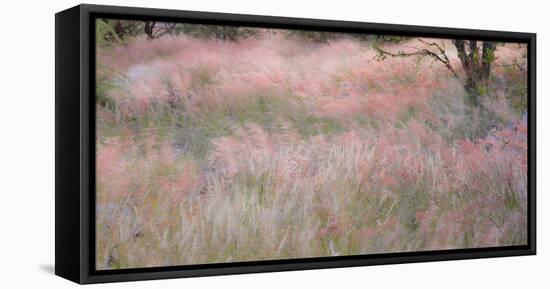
27	144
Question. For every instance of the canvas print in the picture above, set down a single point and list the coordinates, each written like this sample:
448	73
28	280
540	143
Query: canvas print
219	144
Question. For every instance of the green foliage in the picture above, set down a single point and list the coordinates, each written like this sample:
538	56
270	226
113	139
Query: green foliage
408	114
195	131
377	41
516	89
313	36
102	89
105	32
390	38
309	125
231	33
489	56
482	89
475	56
511	200
202	77
519	104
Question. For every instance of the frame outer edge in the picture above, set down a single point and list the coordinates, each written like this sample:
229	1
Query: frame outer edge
86	132
67	198
532	127
89	275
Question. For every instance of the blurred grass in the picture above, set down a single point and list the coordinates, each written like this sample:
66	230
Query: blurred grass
352	191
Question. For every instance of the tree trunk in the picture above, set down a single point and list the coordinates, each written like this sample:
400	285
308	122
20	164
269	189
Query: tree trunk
476	68
148	29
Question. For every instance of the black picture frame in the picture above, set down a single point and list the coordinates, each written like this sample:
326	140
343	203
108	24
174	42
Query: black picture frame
75	144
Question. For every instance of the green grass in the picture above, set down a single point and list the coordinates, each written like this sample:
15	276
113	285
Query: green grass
195	130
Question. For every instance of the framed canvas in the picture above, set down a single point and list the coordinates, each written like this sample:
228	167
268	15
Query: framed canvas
195	144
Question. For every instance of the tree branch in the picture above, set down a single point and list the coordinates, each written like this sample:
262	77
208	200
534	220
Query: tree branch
440	56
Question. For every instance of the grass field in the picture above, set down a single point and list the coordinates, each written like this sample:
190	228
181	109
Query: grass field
275	146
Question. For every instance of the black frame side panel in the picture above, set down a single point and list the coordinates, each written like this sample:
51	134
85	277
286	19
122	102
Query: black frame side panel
67	144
